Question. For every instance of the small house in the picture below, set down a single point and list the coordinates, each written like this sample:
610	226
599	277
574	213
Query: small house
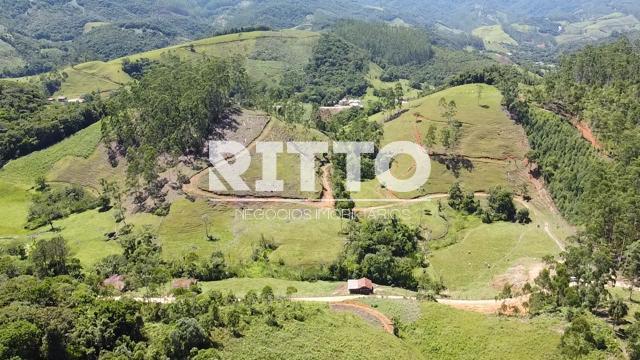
115	281
62	99
362	286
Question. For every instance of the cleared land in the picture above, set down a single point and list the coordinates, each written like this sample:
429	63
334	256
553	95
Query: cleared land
434	331
266	54
597	29
494	38
492	146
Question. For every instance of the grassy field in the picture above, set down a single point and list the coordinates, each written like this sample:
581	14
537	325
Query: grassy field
307	239
494	38
291	48
597	29
445	333
288	169
484	257
327	335
23	171
492	143
18	176
373	77
433	331
240	286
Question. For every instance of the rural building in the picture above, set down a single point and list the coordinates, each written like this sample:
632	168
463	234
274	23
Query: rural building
115	281
62	99
75	101
344	104
360	286
183	283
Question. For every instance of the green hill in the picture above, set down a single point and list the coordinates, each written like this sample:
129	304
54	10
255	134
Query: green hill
266	54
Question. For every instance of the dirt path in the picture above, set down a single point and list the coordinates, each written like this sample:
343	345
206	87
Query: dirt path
368	313
489	307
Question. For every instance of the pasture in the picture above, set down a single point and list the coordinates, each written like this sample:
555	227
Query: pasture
494	38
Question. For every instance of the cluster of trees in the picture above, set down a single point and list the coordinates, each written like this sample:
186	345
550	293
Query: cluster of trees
51	204
136	69
142	265
336	69
351	125
172	111
500	205
384	250
601	85
387	44
27	124
51	309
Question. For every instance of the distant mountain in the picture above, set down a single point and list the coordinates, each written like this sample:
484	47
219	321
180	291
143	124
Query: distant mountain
39	35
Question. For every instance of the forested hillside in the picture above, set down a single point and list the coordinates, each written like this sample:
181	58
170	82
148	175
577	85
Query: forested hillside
29	123
596	187
38	36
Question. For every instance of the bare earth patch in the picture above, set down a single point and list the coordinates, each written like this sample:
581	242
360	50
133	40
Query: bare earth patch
517	276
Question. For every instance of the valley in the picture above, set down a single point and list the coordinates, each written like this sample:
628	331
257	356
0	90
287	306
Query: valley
521	244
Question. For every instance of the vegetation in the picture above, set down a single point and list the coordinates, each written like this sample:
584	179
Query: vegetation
383	250
336	69
388	45
172	111
27	124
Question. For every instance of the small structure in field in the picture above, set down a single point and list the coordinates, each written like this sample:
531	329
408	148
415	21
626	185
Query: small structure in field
62	99
115	281
75	101
183	283
362	286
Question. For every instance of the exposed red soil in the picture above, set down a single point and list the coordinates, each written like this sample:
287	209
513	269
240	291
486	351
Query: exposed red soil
366	312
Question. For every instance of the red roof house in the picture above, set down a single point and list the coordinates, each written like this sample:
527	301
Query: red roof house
360	286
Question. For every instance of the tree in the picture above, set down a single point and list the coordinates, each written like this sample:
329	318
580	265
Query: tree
50	257
45	213
501	204
578	339
631	266
456	196
470	204
186	335
41	184
445	138
522	216
430	137
20	340
617	310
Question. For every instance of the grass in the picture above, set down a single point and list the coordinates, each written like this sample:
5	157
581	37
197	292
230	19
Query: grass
325	335
302	241
470	266
600	28
13	209
104	77
22	172
311	237
183	230
445	333
491	142
494	38
433	331
86	171
18	176
288	167
375	72
240	286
